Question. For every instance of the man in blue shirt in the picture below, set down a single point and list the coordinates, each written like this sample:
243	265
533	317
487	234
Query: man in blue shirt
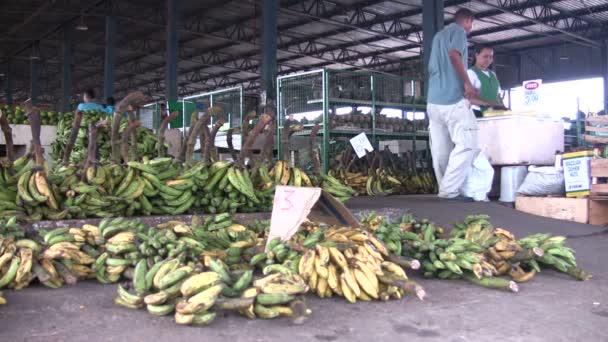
89	102
452	124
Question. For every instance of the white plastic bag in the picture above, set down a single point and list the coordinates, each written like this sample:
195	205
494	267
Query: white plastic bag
478	183
542	181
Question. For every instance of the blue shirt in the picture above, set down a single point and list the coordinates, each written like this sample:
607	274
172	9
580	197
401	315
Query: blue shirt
109	110
89	106
445	87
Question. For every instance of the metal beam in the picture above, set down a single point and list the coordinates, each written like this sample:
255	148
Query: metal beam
34	73
66	83
109	64
538	22
171	90
8	85
269	47
432	22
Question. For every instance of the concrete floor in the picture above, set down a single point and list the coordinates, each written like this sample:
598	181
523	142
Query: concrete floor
551	307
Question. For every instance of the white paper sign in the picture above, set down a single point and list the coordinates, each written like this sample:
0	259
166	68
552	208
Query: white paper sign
361	145
576	174
532	96
290	208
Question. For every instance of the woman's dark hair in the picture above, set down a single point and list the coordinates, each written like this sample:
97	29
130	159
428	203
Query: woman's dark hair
478	49
110	101
90	93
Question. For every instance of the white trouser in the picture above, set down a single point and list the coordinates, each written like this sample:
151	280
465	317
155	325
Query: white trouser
453	140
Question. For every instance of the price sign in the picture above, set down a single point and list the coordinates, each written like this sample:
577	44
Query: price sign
290	208
532	93
361	145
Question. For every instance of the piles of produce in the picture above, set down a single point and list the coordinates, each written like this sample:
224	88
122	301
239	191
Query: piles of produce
17	116
382	173
194	270
476	251
146	140
130	183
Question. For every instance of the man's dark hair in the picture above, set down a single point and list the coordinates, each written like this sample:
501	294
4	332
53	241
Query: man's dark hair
463	14
110	101
90	93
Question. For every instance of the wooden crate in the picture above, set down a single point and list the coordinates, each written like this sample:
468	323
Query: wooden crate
560	208
599	178
596	125
582	210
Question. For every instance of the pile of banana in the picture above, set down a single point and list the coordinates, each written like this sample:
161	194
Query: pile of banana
146	139
475	250
283	174
17	116
380	182
336	188
196	296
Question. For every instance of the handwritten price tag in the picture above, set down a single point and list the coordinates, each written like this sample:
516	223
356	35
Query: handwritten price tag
361	145
290	208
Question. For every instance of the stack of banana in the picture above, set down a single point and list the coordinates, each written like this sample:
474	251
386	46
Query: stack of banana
475	250
17	258
195	296
283	174
9	178
146	139
336	188
420	183
377	183
354	264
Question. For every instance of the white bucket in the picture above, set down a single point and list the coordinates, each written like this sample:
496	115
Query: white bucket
511	178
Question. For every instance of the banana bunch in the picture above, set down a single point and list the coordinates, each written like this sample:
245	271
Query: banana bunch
378	182
354	264
276	252
224	238
555	254
229	188
336	188
70	254
163	187
419	183
8	185
283	174
10	228
17	261
39	198
173	239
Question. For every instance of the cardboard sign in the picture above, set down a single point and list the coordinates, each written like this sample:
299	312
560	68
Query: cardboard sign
577	173
293	205
361	145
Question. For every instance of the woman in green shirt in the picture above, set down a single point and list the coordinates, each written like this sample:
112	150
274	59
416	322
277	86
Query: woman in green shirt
484	79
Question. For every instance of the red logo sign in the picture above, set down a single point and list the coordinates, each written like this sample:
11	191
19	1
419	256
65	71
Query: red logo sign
531	85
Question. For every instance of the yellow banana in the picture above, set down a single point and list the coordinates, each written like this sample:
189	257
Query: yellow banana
365	283
394	269
337	257
351	281
347	291
306	265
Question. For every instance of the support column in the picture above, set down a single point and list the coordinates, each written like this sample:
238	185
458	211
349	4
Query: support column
8	85
432	22
173	7
270	10
110	57
605	73
66	81
34	73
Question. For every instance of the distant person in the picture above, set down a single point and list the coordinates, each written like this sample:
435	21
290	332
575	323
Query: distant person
110	105
485	81
452	124
89	102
